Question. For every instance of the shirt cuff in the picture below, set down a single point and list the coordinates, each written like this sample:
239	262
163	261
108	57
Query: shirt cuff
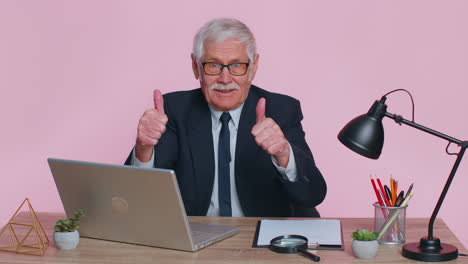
290	172
138	163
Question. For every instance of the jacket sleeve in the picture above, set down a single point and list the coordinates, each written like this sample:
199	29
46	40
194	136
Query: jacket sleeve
310	187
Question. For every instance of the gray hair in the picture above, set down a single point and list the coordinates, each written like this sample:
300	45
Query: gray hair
221	29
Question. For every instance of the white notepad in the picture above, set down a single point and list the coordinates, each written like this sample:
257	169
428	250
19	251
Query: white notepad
323	232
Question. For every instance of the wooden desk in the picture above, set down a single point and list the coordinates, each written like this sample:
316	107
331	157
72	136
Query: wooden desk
237	249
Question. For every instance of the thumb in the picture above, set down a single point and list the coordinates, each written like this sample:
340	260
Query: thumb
261	109
158	101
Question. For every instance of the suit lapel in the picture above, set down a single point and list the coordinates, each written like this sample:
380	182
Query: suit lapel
201	148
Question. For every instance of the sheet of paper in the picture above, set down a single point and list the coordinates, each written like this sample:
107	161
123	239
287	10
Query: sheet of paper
322	231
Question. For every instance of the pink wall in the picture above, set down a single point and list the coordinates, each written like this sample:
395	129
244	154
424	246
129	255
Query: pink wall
76	76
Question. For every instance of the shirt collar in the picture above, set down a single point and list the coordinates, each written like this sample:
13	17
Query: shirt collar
235	116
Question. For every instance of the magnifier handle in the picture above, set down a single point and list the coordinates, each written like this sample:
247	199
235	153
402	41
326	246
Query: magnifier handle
309	255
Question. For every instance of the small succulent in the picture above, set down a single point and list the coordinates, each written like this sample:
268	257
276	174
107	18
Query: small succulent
70	224
364	235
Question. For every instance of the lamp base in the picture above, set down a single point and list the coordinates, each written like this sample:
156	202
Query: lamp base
430	250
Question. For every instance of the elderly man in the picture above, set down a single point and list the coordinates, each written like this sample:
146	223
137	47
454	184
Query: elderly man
237	150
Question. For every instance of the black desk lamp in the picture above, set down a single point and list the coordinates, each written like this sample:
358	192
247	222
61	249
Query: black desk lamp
365	135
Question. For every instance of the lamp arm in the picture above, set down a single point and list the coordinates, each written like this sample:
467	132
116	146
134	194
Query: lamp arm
444	192
462	144
400	119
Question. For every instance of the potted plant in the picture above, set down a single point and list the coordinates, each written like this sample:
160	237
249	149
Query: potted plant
364	243
66	235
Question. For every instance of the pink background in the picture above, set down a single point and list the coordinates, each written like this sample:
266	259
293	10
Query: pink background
76	76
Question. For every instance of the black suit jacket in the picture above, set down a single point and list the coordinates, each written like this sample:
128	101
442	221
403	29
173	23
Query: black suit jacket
187	148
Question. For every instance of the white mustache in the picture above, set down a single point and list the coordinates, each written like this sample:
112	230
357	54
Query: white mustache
229	86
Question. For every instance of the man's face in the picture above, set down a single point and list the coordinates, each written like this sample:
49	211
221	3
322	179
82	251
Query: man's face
225	91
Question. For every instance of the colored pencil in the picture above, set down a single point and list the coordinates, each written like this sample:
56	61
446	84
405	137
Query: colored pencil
382	190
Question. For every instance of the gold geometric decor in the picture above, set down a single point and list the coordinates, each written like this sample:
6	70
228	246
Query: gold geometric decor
25	232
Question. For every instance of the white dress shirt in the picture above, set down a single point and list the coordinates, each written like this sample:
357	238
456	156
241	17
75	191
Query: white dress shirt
289	173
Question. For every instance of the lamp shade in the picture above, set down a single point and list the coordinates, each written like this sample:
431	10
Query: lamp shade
365	134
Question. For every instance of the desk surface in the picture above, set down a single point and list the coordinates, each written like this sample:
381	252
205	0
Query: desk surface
237	249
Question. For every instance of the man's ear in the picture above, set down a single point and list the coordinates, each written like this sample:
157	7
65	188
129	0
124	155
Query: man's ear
195	68
254	66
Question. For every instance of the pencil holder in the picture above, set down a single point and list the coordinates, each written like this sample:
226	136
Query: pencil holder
394	220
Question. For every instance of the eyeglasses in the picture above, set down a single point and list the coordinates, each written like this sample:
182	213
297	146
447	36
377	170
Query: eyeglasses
236	69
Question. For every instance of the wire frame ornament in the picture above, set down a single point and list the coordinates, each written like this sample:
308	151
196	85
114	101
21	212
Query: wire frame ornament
26	234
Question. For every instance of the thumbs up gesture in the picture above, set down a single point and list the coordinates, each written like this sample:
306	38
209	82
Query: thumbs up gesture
151	127
268	135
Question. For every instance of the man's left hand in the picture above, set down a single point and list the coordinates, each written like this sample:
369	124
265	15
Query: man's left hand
269	136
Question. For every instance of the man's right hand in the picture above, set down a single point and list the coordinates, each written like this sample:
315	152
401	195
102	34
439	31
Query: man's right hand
150	128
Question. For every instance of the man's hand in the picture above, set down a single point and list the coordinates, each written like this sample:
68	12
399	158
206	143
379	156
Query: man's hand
269	136
150	128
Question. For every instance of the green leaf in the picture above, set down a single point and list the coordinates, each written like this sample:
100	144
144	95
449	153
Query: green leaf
78	213
364	235
70	224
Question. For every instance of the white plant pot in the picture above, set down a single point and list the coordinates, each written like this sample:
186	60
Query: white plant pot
66	240
365	249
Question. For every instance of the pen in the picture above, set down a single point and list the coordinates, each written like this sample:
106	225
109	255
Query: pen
400	198
389	194
409	190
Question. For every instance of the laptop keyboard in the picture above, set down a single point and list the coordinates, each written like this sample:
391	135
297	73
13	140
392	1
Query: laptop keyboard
196	233
200	235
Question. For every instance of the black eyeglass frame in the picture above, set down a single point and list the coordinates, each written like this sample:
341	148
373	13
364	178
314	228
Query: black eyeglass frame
228	66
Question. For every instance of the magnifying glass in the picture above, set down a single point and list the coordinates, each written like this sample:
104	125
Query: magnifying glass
290	244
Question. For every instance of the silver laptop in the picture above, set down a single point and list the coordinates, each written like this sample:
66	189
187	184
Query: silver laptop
132	205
